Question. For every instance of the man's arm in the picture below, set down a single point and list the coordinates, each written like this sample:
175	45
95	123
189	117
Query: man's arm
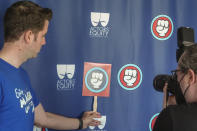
53	121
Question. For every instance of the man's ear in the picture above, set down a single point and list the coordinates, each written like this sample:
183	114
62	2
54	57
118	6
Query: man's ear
28	36
192	76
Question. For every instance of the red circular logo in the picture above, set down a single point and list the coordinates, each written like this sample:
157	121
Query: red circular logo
152	121
162	27
130	77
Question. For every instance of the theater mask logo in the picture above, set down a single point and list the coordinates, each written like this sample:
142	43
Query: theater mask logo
162	27
99	26
65	74
130	77
100	127
39	129
152	121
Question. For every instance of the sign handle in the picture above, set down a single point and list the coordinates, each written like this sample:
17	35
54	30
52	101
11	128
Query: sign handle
95	104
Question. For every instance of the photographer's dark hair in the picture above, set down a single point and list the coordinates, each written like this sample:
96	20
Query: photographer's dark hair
23	16
189	59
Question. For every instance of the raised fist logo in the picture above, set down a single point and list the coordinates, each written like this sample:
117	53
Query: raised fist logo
162	27
96	79
130	76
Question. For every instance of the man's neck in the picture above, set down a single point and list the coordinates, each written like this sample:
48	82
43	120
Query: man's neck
191	93
12	54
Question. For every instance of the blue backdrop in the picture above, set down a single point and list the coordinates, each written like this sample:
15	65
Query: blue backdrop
118	33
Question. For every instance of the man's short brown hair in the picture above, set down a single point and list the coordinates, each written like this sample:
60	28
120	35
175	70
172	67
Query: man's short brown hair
189	59
23	16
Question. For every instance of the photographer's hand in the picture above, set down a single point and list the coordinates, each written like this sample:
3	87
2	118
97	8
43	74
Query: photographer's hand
168	100
165	95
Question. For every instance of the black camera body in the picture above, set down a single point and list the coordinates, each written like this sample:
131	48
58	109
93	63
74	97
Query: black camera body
185	38
160	80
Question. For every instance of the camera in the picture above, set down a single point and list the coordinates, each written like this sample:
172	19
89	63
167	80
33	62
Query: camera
173	86
160	80
185	36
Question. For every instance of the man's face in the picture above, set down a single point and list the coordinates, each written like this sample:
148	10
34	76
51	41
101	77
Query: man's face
39	40
182	78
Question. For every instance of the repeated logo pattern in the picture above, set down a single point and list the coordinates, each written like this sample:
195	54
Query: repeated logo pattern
39	129
65	74
152	121
162	27
130	77
96	79
103	120
99	24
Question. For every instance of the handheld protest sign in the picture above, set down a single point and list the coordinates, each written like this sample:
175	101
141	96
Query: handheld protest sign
96	80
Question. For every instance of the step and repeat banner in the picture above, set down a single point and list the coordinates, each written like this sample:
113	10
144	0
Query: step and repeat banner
108	51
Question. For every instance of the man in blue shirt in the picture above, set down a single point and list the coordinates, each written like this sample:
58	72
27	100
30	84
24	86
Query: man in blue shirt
25	27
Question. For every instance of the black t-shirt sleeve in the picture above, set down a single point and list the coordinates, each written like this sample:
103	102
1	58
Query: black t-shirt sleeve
164	121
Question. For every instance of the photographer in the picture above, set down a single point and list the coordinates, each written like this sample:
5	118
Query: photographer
182	117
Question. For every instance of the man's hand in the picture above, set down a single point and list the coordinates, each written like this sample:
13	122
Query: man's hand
165	95
88	119
171	98
58	122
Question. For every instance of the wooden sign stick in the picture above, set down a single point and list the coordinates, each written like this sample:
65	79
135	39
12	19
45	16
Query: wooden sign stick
95	104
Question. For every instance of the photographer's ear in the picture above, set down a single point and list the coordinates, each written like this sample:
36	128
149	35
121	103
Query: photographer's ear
192	76
28	36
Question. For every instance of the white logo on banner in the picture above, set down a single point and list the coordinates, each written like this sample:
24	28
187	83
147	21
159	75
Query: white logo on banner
130	76
162	27
99	30
96	79
25	99
38	129
65	74
101	126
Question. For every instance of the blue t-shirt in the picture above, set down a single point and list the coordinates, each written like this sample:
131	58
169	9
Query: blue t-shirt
17	99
